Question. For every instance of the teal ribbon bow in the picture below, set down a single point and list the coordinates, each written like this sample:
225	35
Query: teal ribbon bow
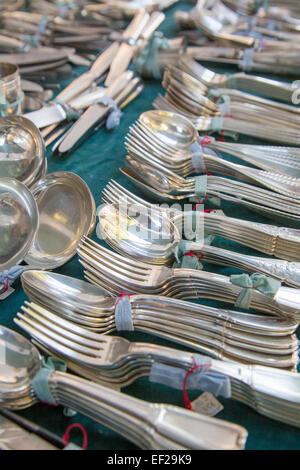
260	282
148	59
185	258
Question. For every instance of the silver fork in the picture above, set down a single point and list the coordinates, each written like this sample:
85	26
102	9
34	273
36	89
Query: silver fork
261	388
122	274
108	353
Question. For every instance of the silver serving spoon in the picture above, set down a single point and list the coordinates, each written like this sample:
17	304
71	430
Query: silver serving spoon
163	426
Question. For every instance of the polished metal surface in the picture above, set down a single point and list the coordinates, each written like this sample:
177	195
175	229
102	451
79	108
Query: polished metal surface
162	426
67	212
19	219
22	149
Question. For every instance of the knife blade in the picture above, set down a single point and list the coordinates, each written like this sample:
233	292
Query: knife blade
47	115
126	50
93	114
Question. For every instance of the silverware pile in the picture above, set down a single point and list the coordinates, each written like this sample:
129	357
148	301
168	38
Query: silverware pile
277	241
157	161
149	426
116	362
258	40
127	275
226	335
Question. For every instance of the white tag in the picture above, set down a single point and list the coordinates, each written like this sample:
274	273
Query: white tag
207	404
7	293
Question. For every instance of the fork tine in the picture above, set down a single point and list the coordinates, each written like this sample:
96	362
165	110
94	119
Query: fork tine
137	267
61	335
59	348
53	321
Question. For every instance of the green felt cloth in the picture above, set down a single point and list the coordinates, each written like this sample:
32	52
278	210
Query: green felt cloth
97	161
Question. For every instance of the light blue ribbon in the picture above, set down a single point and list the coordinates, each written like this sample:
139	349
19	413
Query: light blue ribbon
200	379
123	316
40	382
71	114
257	281
11	274
115	114
148	59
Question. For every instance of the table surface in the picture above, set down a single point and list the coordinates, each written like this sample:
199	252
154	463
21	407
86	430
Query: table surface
97	161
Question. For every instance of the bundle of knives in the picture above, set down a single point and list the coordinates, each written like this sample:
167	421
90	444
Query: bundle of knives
244	33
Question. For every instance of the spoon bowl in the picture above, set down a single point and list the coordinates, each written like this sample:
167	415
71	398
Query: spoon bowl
19	363
139	232
48	285
173	129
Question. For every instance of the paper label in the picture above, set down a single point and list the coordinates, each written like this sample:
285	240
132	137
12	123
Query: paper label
207	404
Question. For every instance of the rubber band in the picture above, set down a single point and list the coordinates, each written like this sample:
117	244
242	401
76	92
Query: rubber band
66	436
123	314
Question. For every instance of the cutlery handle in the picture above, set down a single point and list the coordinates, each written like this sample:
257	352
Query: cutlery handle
76	87
270	88
244	41
136	25
153	23
283	270
269	381
162	354
186	429
102	63
285	233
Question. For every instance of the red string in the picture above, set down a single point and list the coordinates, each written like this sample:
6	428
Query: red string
205	140
200	202
121	296
193	255
67	434
6	285
187	401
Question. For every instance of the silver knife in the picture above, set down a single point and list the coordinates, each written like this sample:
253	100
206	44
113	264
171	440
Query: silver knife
93	114
126	50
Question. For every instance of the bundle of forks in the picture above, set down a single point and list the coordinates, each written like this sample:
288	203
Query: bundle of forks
115	362
221	334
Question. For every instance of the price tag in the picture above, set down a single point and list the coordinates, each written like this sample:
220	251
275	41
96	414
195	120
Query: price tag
207	404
